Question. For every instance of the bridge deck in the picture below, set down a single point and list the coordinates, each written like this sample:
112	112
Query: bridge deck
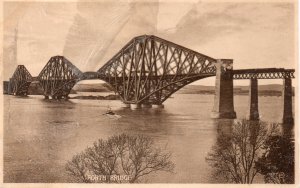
261	70
263	73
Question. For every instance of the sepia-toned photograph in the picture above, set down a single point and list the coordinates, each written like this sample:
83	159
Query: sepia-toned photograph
150	92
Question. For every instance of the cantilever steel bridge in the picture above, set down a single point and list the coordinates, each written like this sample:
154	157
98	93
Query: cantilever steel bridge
147	69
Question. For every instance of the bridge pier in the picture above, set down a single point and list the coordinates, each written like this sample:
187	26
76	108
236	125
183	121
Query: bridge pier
146	105
158	106
223	102
253	113
135	106
58	97
287	97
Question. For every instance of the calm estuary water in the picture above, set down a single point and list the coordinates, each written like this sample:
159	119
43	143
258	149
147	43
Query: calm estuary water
40	136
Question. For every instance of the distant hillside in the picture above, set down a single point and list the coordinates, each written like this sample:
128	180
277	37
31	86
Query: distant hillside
93	87
36	89
267	90
269	87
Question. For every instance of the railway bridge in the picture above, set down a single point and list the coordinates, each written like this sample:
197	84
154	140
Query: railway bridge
149	69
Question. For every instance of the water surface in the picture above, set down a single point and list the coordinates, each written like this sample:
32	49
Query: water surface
40	136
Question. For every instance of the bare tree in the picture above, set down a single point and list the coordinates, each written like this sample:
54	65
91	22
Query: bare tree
140	158
234	155
133	156
77	167
278	160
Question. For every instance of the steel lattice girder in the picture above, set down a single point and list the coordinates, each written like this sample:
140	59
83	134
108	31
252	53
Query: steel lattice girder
59	76
149	69
20	81
267	73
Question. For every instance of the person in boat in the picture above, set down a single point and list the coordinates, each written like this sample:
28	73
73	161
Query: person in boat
109	111
112	114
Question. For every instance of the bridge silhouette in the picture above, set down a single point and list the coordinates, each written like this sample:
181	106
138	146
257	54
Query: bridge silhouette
149	69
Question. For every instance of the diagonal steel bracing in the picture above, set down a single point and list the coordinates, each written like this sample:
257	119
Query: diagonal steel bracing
149	69
58	77
20	81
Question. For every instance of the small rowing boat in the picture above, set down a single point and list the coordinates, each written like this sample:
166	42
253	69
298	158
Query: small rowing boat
112	114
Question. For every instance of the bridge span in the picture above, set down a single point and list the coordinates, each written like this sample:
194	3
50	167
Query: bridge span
149	69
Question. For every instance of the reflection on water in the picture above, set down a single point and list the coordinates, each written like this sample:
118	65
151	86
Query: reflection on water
40	136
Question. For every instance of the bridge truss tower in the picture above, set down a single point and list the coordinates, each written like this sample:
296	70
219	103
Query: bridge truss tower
58	77
149	69
20	81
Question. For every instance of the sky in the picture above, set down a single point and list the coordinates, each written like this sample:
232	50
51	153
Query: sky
254	35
